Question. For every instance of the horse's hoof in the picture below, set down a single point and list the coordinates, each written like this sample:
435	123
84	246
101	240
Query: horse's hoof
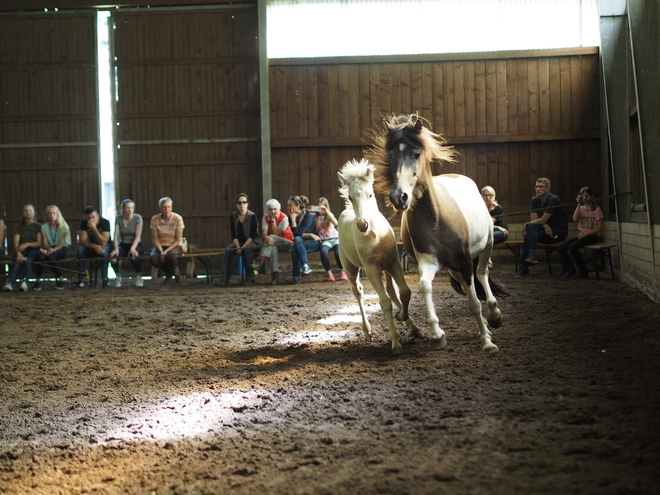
437	344
396	350
401	316
490	348
496	323
416	333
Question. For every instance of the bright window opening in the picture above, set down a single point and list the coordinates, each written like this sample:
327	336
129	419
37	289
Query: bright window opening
106	134
322	28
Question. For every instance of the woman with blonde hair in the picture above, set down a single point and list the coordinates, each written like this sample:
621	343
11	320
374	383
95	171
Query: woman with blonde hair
500	228
55	242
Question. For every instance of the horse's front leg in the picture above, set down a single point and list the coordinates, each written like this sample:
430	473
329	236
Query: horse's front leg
429	266
375	277
474	305
353	274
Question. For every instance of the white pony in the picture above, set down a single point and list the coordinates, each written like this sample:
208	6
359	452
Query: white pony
366	240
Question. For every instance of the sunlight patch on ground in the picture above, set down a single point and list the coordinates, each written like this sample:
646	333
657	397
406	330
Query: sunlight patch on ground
320	336
345	314
181	416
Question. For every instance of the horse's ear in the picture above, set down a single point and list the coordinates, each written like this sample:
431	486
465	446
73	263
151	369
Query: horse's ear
341	178
418	124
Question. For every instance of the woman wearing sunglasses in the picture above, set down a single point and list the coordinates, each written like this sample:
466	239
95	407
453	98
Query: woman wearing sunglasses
244	226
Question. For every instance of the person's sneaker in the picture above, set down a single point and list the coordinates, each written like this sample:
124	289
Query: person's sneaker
342	276
82	284
274	278
568	274
582	274
306	270
222	283
139	282
531	259
247	282
7	287
258	265
118	282
59	285
293	281
331	277
23	287
36	286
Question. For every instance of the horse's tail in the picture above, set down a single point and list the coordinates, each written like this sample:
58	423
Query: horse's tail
497	288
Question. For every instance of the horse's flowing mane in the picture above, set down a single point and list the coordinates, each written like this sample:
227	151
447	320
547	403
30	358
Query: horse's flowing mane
354	170
409	129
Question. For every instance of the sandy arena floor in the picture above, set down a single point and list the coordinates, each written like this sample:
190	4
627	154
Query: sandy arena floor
191	389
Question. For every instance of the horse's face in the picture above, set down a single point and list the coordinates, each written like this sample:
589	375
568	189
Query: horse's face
405	166
362	198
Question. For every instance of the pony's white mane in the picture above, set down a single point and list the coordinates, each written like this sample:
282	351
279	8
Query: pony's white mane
352	171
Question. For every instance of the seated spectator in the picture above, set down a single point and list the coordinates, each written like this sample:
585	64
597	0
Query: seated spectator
55	242
326	228
128	241
166	236
277	236
590	223
26	244
500	228
94	242
548	223
244	227
305	239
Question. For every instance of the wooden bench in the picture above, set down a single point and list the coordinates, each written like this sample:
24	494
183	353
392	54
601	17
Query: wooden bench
515	246
600	250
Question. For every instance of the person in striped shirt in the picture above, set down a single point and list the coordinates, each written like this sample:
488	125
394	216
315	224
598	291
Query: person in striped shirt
166	237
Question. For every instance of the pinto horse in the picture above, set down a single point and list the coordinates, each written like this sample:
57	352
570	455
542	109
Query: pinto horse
366	240
445	222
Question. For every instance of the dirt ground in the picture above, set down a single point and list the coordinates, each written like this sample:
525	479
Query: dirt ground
193	389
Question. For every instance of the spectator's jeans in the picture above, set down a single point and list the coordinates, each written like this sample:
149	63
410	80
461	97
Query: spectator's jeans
534	234
499	236
123	252
573	246
325	250
30	254
53	261
299	253
85	252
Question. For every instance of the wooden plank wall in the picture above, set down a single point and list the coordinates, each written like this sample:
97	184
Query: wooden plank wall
48	115
512	116
188	114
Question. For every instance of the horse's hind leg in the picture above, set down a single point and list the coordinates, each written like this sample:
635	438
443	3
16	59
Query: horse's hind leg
493	313
474	305
352	272
400	294
375	277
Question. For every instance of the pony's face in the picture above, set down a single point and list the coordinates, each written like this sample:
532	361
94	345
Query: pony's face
405	156
361	195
